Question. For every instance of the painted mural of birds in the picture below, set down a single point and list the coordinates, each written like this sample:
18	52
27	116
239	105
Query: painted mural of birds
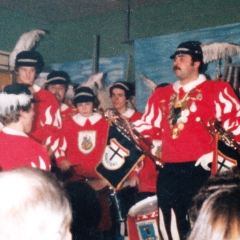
149	83
221	50
218	51
25	43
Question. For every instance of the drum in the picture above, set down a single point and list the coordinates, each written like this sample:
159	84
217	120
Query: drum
143	220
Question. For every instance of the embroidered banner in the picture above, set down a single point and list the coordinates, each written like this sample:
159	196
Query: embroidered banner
119	158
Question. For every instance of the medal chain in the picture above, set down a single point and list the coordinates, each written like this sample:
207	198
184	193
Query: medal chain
176	107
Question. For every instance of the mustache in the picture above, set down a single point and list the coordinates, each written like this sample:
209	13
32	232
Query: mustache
176	68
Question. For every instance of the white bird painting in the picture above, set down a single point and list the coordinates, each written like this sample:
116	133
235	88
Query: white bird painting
149	83
221	50
25	43
97	84
218	51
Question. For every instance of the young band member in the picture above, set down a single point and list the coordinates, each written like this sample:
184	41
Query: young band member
121	94
57	84
47	121
85	135
17	114
145	174
187	148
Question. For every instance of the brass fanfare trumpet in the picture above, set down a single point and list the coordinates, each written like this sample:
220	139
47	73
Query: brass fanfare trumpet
214	126
126	127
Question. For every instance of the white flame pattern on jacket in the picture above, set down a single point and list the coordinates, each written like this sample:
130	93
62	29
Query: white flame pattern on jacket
62	146
48	116
229	104
56	122
213	99
42	164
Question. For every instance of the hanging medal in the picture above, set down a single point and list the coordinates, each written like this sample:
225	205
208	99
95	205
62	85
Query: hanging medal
178	114
193	107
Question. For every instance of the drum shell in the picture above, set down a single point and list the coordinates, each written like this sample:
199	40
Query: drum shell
142	221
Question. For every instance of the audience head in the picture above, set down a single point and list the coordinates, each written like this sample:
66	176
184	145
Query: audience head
205	214
221	180
33	206
57	84
219	217
15	101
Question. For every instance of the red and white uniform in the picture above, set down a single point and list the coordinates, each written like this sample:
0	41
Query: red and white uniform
187	147
18	150
208	99
132	115
66	111
47	121
86	139
146	169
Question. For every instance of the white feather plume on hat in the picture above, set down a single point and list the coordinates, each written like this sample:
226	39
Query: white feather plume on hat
25	43
10	102
217	51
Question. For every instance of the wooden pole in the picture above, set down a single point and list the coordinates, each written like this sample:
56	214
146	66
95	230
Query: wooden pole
95	54
127	24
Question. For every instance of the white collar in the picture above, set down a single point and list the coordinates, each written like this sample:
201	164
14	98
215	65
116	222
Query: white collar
189	86
12	131
63	107
129	113
81	120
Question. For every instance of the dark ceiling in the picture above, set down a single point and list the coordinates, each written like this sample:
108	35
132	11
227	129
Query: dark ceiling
62	10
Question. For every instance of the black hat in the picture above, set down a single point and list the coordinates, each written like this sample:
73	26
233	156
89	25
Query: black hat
58	77
125	86
17	89
192	48
29	59
83	94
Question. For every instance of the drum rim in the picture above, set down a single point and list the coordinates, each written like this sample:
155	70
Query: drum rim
133	210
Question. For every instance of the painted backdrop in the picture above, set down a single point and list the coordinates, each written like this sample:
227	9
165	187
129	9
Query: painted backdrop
79	71
152	55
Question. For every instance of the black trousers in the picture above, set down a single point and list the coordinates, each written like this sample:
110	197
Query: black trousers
177	184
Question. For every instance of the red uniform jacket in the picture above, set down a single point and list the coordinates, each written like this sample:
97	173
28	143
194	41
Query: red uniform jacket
18	150
86	140
187	140
66	111
47	121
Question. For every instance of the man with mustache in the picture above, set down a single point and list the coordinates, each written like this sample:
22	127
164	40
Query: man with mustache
187	148
57	84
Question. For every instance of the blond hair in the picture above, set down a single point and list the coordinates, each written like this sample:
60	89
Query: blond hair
219	217
33	205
